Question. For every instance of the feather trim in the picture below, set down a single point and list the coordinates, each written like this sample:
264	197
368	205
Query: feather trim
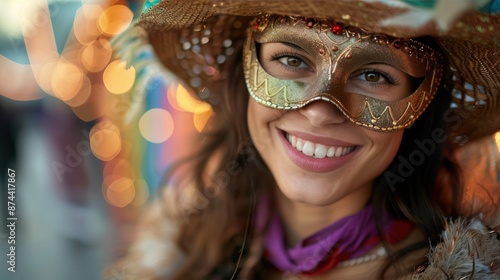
132	46
468	250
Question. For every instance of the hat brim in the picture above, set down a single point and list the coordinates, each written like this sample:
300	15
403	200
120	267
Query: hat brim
202	59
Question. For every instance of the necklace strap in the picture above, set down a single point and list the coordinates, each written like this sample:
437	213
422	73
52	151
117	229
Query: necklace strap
380	253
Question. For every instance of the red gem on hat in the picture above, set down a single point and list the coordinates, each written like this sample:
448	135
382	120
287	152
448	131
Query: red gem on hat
255	26
337	29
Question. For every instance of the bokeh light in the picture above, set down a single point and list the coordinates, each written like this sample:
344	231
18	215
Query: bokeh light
83	94
105	140
109	170
497	138
123	168
84	75
62	52
85	26
120	192
115	19
66	80
156	125
118	168
172	96
200	119
188	103
120	186
96	56
117	78
141	193
72	53
95	105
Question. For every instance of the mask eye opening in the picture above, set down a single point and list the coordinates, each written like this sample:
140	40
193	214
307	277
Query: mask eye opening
257	51
415	83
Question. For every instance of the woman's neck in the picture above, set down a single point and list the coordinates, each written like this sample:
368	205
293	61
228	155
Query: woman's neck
300	220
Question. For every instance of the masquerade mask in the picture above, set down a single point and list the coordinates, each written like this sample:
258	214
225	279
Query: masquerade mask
335	54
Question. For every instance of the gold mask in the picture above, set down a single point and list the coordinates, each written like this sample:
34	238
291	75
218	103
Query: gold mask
339	51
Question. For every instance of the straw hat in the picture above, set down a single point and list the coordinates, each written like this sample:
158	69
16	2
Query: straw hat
201	42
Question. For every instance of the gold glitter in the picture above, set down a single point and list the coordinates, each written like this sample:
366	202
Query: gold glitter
458	42
485	19
357	107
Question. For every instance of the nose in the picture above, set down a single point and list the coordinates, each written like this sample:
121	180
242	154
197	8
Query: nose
321	113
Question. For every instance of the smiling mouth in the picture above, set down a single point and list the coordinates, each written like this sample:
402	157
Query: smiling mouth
315	150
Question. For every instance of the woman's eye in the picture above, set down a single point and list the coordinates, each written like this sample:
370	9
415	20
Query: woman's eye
380	81
293	62
372	77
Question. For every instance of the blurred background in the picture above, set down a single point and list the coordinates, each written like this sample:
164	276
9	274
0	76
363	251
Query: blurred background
89	136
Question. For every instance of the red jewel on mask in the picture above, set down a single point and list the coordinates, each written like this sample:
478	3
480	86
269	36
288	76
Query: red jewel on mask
337	29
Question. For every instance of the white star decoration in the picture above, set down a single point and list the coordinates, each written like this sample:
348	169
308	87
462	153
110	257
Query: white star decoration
443	14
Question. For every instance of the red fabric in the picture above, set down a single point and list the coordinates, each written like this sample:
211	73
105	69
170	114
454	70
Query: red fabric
399	230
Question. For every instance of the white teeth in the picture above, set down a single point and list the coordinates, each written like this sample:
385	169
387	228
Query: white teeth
331	152
320	151
299	145
338	152
308	149
317	150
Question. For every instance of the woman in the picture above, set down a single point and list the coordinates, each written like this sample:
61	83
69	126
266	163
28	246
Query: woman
329	169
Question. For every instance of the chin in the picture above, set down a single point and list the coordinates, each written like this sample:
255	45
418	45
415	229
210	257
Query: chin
313	192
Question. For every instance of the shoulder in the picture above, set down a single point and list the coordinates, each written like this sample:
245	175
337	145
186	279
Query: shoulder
153	253
469	249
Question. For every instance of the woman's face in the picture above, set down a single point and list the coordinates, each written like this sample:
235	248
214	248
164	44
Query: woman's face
318	156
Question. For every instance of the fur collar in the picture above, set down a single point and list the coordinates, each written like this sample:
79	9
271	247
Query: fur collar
469	250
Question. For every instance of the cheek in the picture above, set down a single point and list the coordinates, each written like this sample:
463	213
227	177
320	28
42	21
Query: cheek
254	121
379	155
251	118
257	126
260	120
388	144
383	148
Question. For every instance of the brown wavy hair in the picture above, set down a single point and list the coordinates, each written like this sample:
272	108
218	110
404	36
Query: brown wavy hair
226	176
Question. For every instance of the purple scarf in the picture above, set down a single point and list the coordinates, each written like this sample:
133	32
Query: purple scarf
346	235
